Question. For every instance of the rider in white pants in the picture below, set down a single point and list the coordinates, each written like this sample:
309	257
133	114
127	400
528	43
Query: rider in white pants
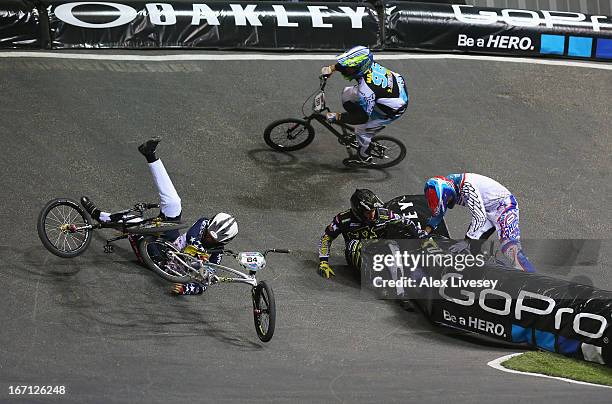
203	234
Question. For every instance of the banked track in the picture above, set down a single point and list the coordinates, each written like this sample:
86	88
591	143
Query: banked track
108	329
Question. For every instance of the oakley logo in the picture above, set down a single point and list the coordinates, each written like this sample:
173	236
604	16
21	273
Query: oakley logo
165	14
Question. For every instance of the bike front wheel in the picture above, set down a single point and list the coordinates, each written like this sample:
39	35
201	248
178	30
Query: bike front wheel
289	134
386	151
264	311
64	228
157	254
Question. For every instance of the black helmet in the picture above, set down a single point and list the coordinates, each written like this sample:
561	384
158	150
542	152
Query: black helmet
362	201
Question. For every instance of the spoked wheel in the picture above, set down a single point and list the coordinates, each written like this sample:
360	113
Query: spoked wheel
289	134
64	228
157	254
386	151
264	311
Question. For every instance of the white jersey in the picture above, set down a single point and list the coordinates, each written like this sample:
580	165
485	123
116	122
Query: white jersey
482	196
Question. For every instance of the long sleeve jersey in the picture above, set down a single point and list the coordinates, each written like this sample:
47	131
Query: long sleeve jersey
381	94
480	195
386	224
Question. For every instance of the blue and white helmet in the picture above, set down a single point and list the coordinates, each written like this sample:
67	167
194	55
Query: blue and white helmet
355	62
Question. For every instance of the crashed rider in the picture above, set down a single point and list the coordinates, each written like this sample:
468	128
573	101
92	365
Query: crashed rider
379	97
492	206
366	219
203	234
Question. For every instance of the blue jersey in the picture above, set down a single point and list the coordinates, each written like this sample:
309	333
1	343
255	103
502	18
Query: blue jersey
194	237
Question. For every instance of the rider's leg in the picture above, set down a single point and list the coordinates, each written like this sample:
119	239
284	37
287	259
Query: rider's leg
510	234
367	131
95	212
170	202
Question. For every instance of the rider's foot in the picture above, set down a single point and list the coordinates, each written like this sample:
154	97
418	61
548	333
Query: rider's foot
148	148
90	208
192	288
357	159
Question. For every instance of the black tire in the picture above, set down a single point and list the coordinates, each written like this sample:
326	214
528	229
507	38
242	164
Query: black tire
154	253
278	132
264	311
54	228
386	151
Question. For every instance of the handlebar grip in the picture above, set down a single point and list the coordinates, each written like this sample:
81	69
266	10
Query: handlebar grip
151	205
280	250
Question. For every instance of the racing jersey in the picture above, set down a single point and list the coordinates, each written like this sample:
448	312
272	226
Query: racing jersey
386	224
380	94
480	195
193	237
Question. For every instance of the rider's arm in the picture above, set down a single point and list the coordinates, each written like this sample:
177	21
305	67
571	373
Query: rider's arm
434	222
329	234
408	227
474	202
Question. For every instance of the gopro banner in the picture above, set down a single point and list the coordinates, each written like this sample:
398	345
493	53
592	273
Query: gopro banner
515	32
19	25
484	296
248	25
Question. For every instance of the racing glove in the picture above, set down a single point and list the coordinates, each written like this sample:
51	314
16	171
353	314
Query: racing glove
327	70
325	270
332	117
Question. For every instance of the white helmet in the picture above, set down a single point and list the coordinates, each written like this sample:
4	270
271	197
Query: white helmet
223	228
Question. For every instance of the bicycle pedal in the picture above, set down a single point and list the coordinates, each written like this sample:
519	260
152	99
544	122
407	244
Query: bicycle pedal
109	249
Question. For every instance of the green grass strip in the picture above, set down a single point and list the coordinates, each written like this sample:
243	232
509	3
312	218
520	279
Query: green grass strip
550	364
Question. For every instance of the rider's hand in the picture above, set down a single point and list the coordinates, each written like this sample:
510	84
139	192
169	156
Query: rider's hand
178	288
327	70
332	117
325	270
462	246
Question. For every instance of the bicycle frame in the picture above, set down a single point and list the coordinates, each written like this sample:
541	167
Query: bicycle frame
346	136
207	272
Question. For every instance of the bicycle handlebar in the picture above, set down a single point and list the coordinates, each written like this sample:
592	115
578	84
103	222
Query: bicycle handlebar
323	81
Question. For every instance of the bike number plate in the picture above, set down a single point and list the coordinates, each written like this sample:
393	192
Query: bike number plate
319	102
252	260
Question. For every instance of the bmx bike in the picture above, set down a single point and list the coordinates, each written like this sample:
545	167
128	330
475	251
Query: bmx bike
292	134
65	229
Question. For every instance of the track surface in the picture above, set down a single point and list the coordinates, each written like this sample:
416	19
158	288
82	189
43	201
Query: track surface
108	329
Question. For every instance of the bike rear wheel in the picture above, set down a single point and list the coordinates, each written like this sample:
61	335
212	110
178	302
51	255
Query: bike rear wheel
289	134
64	228
264	311
386	151
156	253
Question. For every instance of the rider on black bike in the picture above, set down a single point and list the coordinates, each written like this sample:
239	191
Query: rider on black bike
203	234
379	97
366	219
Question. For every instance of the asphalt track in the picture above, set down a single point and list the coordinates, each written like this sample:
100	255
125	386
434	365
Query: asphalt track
109	331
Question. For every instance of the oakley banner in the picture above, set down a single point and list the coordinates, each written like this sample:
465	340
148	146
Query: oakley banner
485	296
19	24
179	24
515	32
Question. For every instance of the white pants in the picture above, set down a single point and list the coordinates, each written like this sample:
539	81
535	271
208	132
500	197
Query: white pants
169	201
